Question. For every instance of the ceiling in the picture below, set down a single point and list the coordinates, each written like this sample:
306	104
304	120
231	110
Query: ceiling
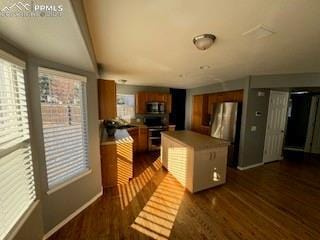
149	42
56	39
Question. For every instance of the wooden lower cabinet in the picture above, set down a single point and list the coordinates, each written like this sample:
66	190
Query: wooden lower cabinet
140	138
143	139
116	163
107	99
134	133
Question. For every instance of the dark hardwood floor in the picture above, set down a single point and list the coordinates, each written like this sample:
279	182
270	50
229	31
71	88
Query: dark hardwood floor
280	200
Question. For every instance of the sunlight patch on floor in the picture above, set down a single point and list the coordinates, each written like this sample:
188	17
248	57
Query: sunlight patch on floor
157	217
127	192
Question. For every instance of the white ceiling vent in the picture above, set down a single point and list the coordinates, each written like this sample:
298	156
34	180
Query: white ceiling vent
258	32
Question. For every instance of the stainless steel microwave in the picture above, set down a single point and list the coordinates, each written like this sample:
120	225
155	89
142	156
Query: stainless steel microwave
155	107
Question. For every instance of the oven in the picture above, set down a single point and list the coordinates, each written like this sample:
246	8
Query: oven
155	137
155	127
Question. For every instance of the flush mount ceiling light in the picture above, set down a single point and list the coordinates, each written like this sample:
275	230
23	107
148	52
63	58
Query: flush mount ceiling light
204	41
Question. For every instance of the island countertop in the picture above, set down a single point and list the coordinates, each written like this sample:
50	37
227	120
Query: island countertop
195	140
120	136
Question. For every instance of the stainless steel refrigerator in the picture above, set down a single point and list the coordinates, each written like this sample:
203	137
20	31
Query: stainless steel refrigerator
225	124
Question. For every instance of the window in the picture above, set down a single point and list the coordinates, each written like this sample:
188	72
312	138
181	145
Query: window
17	191
125	106
64	122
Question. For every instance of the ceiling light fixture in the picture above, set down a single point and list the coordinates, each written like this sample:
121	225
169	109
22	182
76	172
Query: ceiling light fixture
204	41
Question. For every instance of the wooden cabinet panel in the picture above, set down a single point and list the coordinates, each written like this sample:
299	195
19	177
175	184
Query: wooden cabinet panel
140	138
134	133
204	106
200	117
141	99
204	130
143	139
196	112
168	100
116	164
107	99
214	98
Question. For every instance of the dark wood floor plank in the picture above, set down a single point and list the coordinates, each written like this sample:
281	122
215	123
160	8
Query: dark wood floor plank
276	201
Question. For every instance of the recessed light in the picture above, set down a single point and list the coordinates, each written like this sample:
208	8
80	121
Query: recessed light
204	67
122	81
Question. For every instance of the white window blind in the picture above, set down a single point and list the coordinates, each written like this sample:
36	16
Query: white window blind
17	191
64	121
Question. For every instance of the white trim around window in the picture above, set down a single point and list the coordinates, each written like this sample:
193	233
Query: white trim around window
62	74
64	123
12	59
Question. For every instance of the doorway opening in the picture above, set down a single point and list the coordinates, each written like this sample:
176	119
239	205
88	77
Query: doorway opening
303	124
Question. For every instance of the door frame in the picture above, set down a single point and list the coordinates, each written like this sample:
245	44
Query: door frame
284	130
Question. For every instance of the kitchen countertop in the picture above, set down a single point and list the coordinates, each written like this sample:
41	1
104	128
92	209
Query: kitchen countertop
195	140
120	136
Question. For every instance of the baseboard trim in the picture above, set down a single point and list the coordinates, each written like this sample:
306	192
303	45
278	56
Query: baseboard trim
250	166
71	216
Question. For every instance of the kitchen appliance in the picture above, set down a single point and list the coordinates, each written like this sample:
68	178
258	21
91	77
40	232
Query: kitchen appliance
155	127
226	120
155	107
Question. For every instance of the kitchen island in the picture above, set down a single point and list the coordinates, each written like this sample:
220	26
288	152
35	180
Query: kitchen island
116	158
197	161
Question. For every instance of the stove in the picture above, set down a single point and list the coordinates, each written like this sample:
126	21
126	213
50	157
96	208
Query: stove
155	127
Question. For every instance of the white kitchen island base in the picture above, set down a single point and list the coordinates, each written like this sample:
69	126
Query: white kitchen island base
197	161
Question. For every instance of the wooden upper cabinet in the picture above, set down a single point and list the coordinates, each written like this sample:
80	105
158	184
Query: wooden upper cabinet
197	112
204	106
107	99
168	100
143	97
232	96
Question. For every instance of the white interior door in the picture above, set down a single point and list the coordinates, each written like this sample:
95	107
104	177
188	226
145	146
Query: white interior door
276	123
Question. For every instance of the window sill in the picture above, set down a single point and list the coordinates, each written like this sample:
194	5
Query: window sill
68	182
